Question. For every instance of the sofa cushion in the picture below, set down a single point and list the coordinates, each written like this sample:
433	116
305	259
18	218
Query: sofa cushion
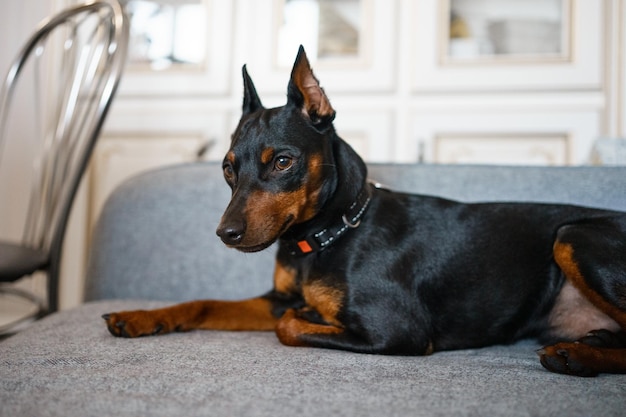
68	365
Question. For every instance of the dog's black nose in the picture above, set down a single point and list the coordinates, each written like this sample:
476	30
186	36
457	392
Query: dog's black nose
231	234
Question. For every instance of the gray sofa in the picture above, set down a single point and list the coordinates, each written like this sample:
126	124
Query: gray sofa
155	243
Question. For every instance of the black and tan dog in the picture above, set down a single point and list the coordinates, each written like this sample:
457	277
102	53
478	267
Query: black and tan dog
370	270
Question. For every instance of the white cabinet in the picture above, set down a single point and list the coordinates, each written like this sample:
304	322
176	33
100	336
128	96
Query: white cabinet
429	80
509	82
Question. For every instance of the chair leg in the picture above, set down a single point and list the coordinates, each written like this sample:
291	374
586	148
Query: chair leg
53	284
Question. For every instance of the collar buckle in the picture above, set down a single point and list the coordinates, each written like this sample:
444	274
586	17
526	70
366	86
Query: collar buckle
351	225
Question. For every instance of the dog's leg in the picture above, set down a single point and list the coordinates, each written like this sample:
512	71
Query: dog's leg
298	328
295	328
252	314
298	331
583	359
260	313
592	257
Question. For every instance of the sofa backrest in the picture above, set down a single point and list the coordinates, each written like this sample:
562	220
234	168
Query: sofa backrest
156	238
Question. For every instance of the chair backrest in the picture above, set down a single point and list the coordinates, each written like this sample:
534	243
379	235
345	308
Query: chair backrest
66	75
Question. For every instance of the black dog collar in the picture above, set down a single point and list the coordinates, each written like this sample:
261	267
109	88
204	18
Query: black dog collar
320	240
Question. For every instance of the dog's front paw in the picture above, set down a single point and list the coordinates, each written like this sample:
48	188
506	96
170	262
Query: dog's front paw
571	358
134	323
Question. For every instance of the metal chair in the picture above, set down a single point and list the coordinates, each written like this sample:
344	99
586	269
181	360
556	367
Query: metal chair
66	74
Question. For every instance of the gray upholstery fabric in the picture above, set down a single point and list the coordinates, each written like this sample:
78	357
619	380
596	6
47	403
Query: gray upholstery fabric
592	186
68	365
155	241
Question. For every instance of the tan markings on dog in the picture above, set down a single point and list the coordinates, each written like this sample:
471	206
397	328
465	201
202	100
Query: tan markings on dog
313	186
327	301
267	213
252	314
284	279
230	156
267	155
564	312
290	328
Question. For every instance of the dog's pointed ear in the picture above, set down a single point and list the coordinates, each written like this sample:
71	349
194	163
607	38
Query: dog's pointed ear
251	100
304	92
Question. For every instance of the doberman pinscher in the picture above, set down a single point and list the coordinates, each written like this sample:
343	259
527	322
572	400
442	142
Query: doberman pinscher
369	270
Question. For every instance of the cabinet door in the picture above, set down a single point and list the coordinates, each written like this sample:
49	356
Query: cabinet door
178	48
351	41
507	45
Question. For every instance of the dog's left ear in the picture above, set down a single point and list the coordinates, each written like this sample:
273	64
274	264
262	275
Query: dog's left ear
251	100
304	92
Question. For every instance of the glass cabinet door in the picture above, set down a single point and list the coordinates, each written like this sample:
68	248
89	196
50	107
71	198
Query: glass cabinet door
349	40
507	45
329	30
166	34
506	30
177	47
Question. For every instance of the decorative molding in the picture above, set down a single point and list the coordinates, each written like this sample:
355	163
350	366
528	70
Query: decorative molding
504	148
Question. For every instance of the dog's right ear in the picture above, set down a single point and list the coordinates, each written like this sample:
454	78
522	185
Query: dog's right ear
251	100
305	93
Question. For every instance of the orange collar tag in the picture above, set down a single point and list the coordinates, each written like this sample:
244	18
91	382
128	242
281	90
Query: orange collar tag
304	246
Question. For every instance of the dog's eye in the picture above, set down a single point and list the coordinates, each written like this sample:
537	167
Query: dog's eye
282	163
229	172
